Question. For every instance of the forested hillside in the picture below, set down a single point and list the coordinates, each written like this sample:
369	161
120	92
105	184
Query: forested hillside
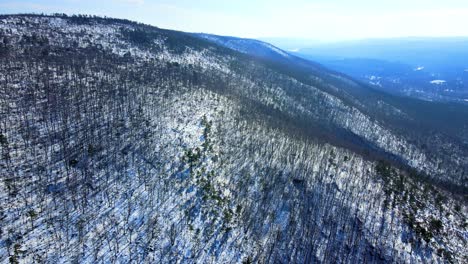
122	142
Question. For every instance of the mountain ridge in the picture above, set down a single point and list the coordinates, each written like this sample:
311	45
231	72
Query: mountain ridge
125	142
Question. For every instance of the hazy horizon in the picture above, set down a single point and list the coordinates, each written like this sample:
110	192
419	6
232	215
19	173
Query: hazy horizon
322	21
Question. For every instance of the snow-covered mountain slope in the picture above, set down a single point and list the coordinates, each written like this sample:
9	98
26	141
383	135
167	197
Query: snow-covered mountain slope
248	46
400	126
123	142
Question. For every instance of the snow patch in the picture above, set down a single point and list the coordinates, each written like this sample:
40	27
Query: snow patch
438	82
275	49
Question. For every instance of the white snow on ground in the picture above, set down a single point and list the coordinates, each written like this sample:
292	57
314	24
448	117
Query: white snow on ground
438	82
123	217
275	49
374	80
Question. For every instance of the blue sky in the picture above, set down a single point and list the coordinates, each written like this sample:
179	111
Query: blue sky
326	20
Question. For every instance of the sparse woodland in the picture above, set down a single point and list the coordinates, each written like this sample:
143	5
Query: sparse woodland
124	143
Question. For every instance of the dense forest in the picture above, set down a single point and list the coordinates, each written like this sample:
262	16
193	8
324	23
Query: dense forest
121	142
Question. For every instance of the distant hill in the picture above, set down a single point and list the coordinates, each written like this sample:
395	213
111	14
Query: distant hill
404	66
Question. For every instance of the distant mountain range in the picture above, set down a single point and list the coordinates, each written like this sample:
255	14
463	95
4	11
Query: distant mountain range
427	68
122	142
